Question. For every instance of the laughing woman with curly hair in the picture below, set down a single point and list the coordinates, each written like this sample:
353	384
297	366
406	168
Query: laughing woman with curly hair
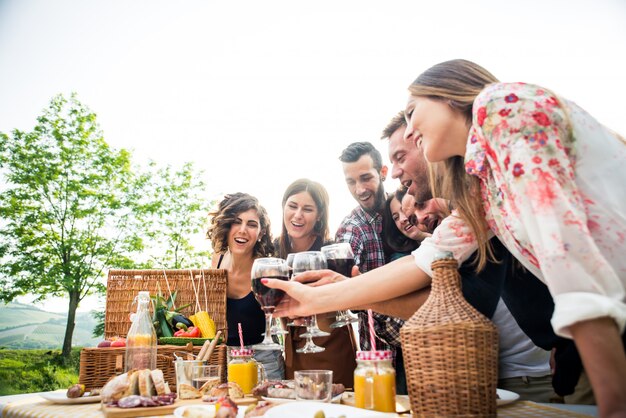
239	231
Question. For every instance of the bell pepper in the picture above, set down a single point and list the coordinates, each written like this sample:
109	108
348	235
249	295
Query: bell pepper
191	332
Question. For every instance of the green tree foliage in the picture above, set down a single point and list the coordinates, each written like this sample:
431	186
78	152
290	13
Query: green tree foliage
70	207
98	330
179	217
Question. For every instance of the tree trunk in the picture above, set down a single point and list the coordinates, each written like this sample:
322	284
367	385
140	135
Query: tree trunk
69	329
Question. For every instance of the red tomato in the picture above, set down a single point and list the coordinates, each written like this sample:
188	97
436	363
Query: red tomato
119	343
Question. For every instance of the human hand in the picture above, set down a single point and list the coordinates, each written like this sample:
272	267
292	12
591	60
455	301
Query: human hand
299	299
316	278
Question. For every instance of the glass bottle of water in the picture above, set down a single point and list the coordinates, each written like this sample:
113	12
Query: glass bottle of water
141	341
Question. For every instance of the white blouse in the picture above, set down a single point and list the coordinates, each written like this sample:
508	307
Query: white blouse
556	200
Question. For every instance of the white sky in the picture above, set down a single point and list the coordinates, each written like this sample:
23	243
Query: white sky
260	93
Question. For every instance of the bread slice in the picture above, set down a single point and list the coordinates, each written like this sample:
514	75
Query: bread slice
231	389
186	391
132	388
209	384
159	383
115	388
146	387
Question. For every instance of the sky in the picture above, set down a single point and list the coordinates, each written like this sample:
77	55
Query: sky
260	93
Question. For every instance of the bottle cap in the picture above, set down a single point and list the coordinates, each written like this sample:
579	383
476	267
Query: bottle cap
374	355
241	352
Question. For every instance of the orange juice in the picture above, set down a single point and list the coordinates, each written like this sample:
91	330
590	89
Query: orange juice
377	392
375	381
245	374
139	340
242	369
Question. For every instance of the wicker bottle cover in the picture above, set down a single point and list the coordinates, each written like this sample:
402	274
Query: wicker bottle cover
450	351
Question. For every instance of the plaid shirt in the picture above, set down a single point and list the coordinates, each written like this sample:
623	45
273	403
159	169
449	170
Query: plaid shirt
362	230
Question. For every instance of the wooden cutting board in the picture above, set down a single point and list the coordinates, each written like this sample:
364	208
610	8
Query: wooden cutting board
115	412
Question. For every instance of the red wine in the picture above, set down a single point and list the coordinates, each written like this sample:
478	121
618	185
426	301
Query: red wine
341	265
267	298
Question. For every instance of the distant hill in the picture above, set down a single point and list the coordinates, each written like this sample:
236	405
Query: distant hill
24	326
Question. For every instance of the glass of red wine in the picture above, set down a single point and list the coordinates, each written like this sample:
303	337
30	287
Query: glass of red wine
340	259
305	261
268	268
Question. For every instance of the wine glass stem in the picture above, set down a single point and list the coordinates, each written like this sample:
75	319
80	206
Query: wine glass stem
268	326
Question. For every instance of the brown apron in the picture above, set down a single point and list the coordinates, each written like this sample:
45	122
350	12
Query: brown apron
339	355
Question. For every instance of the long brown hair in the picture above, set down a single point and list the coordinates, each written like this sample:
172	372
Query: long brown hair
225	215
320	197
457	83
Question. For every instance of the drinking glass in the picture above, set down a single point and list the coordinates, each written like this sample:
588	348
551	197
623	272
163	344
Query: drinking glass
305	261
340	259
314	385
268	268
205	373
277	327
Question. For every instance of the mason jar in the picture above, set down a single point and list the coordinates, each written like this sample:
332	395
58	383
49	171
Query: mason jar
375	381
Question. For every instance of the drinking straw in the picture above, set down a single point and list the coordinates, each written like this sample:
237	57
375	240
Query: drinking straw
240	334
370	321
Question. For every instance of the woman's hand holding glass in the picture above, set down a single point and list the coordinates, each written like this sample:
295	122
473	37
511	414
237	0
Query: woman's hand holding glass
339	258
302	262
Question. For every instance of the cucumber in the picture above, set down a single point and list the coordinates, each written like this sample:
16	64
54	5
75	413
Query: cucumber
183	340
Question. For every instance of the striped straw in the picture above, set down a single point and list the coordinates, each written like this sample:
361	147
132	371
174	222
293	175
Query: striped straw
240	334
370	321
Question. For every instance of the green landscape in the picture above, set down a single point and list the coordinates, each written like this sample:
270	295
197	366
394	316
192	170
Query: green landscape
30	355
71	208
27	327
26	371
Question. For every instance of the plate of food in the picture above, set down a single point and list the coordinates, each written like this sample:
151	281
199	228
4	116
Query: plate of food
74	395
308	409
195	411
335	399
505	397
228	409
282	391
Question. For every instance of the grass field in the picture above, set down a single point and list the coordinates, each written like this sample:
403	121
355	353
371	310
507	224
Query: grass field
26	371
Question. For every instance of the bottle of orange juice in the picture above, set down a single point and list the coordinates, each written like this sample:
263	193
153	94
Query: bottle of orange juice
141	341
375	381
243	369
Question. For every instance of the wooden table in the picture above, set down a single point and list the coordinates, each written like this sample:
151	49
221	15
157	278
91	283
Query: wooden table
34	406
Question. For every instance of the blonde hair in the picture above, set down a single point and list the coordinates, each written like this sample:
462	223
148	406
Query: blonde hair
457	83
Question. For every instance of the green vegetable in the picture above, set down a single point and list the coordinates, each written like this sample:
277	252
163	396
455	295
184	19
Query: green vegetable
162	328
163	314
182	319
182	340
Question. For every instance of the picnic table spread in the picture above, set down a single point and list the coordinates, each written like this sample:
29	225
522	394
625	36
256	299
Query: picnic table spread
33	405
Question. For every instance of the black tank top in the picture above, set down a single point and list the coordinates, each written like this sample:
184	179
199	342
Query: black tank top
247	311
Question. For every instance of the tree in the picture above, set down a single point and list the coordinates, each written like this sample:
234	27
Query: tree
180	213
70	207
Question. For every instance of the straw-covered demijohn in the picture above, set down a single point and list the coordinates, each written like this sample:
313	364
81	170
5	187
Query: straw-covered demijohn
450	351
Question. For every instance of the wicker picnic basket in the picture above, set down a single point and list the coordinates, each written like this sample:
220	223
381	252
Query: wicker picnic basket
205	289
450	351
